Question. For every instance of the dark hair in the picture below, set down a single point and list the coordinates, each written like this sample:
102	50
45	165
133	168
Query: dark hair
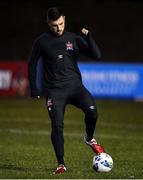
54	13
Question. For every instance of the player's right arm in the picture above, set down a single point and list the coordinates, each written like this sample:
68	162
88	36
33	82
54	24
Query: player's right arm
32	69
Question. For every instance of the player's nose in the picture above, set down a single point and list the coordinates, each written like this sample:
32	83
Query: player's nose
58	28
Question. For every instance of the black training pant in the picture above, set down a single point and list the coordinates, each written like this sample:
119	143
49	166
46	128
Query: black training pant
57	98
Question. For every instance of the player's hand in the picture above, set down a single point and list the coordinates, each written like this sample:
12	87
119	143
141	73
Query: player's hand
35	95
84	31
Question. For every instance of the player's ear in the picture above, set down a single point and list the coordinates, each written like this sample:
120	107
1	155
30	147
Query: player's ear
64	17
48	21
49	24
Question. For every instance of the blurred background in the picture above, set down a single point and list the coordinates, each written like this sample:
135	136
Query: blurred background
116	26
116	81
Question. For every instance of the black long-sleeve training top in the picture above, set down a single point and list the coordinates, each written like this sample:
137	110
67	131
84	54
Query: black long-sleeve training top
59	56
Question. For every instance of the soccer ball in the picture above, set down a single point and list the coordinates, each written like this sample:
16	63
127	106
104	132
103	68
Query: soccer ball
102	162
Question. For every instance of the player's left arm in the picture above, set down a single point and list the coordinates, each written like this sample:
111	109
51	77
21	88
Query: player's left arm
87	44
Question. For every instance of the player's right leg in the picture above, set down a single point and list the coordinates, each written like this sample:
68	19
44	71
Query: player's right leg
56	107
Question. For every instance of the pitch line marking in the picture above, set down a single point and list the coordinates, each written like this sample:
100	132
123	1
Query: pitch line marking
44	132
77	123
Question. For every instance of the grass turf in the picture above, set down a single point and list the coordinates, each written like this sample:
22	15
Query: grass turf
26	150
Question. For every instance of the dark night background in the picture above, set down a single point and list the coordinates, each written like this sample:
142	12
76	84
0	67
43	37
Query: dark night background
116	25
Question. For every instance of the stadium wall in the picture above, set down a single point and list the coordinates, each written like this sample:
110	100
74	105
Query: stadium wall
103	80
13	79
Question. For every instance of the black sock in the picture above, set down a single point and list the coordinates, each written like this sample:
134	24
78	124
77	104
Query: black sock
89	138
60	160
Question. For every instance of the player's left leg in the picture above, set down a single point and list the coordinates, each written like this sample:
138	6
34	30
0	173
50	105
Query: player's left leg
85	101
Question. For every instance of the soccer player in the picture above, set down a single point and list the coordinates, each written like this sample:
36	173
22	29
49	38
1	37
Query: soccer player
59	50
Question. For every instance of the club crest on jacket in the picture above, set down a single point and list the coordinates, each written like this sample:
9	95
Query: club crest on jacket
69	46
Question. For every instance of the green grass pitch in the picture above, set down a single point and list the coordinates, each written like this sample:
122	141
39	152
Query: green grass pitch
26	151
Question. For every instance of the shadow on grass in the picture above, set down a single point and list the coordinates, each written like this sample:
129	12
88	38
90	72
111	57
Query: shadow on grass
17	168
